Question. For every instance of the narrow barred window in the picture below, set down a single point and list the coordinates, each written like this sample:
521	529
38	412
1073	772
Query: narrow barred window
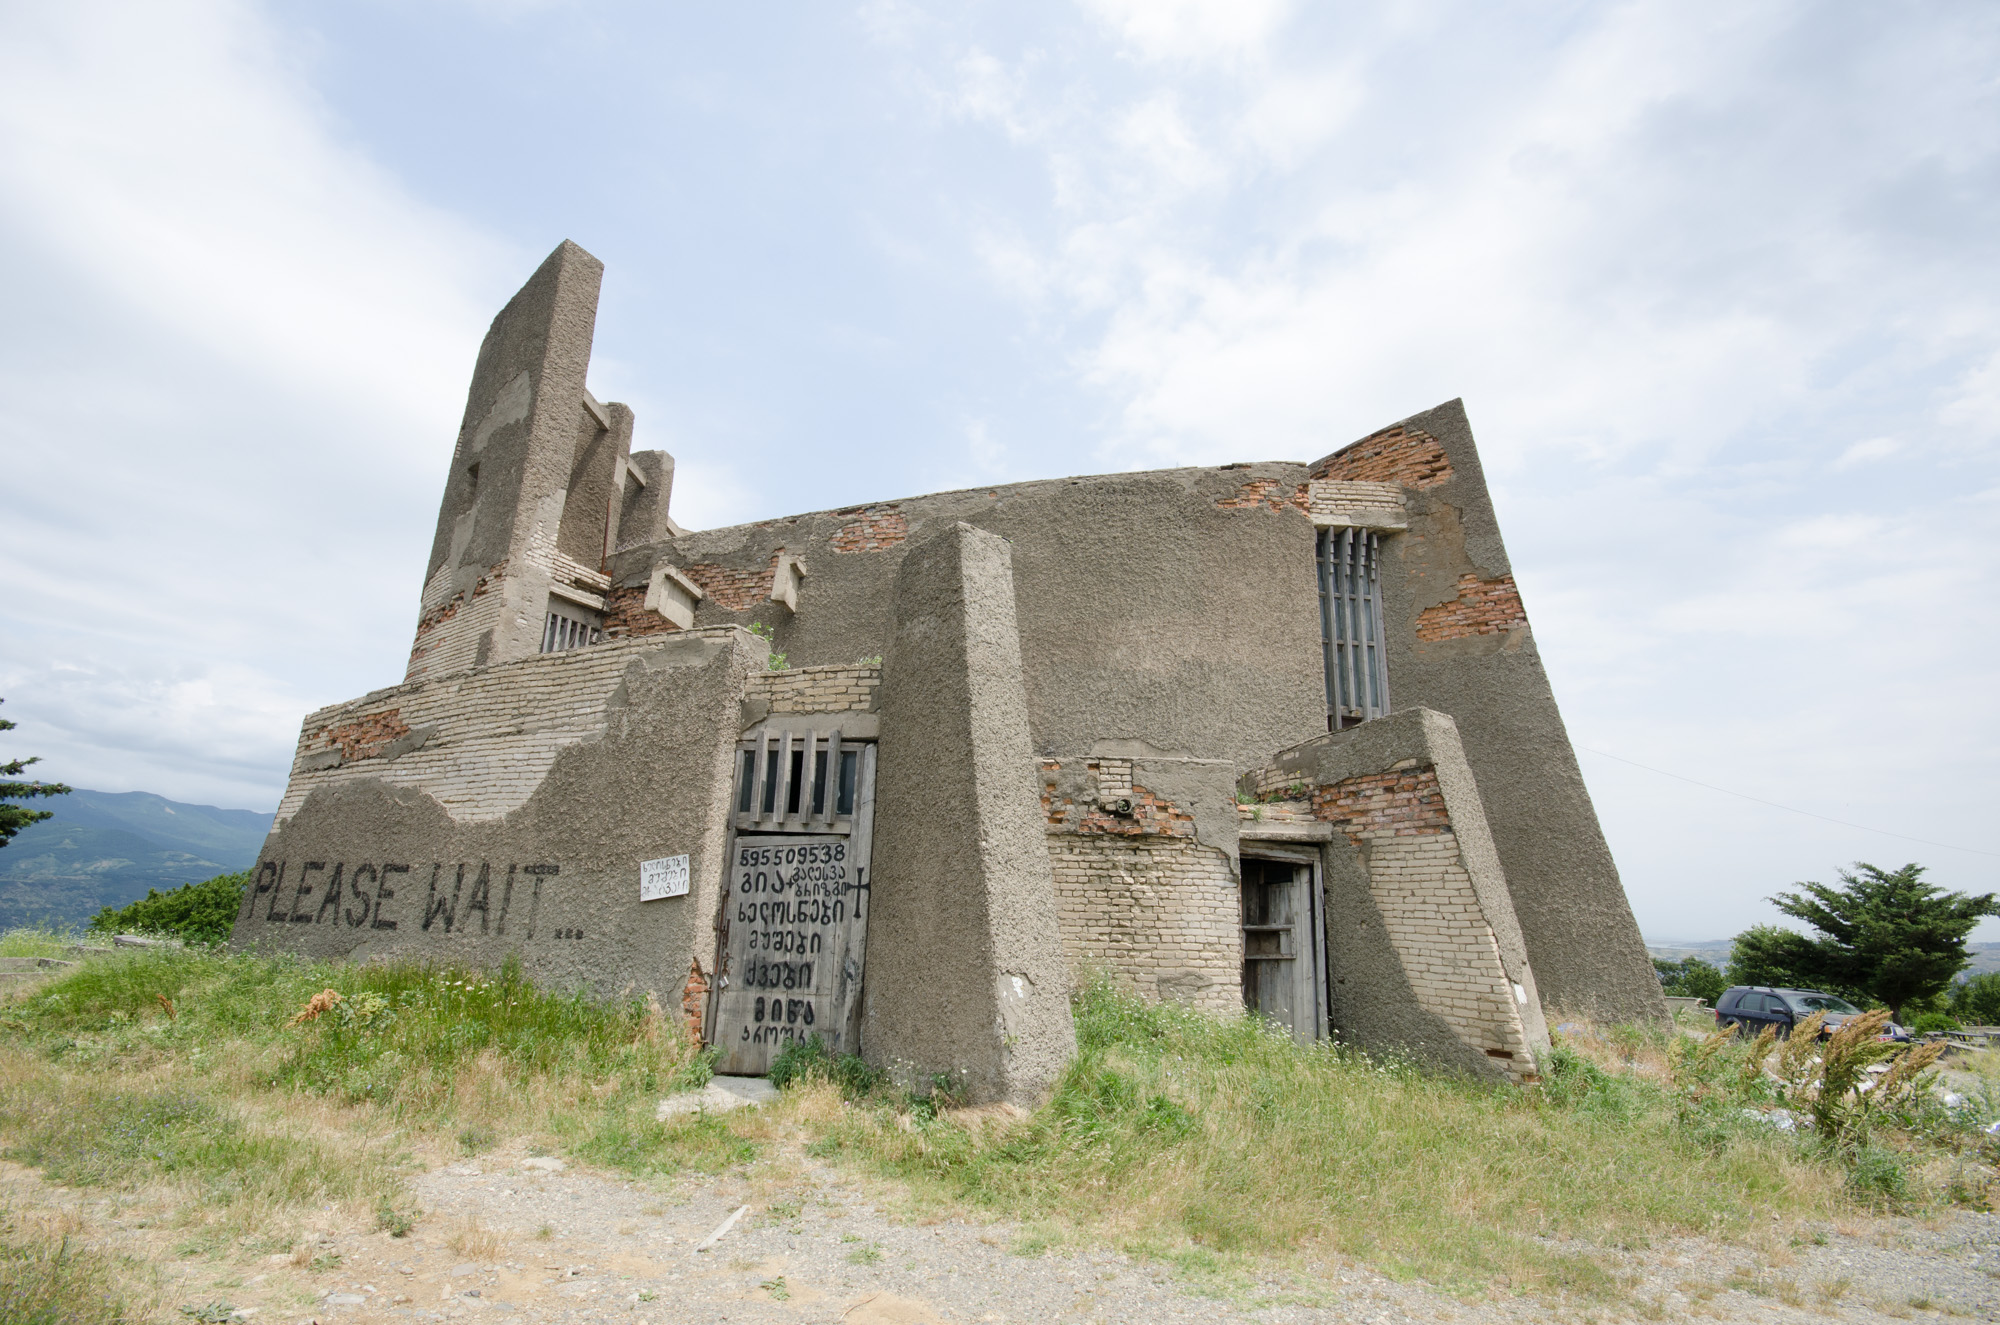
567	632
1351	629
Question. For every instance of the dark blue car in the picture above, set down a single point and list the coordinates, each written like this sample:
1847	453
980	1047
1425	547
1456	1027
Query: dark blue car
1750	1008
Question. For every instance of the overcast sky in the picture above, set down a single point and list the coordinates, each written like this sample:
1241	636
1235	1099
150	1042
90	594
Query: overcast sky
1716	281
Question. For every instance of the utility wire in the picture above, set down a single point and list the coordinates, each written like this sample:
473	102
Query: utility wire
1790	808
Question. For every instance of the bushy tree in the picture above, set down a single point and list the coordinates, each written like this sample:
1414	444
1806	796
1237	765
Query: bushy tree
13	818
1884	935
1690	977
1774	955
1977	999
197	912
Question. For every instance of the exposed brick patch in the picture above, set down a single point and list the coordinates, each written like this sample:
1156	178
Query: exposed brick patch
1269	493
1399	803
731	589
1408	456
840	688
694	999
1158	912
364	737
1152	816
1483	607
445	611
879	527
626	614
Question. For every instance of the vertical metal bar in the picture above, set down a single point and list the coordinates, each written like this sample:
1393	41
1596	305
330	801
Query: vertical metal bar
807	772
782	805
832	777
763	776
1321	573
1381	632
1348	675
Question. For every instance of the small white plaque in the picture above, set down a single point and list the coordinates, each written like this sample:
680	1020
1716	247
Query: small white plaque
663	878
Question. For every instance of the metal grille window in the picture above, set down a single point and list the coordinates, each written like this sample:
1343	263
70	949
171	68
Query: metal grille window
1350	615
796	781
567	632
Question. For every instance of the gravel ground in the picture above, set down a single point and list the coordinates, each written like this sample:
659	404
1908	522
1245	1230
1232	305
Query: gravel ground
515	1238
821	1250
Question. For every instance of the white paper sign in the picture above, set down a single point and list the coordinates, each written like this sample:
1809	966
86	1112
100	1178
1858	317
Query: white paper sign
663	878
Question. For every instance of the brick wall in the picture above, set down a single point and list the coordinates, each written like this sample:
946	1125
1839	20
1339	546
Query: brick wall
449	624
1137	895
493	734
848	688
1159	912
1404	802
363	737
1433	915
879	527
1408	456
1268	493
627	615
731	589
1337	497
1483	607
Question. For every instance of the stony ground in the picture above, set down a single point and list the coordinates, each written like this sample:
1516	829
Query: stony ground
513	1237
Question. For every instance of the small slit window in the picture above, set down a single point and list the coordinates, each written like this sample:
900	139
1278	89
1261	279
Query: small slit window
563	631
1351	628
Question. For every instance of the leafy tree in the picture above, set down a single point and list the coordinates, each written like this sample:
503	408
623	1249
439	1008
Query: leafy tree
1885	935
197	912
1690	977
1977	999
13	818
1774	955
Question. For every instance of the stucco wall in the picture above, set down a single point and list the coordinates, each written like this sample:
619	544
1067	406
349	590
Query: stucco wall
505	812
1150	609
1460	642
1178	610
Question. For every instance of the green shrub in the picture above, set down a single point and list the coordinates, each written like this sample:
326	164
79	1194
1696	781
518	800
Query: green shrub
1929	1022
195	913
811	1060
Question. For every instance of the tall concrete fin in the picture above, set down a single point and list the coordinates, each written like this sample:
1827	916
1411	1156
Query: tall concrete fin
966	973
530	433
1460	643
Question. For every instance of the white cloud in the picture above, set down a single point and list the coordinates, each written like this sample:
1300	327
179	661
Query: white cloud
1871	449
232	374
1192	30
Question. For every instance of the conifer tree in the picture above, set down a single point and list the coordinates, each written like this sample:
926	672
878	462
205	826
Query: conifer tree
13	818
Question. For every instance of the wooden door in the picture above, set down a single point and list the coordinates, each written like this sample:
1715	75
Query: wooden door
794	924
1282	945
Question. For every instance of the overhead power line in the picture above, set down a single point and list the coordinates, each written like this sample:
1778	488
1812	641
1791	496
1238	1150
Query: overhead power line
1793	809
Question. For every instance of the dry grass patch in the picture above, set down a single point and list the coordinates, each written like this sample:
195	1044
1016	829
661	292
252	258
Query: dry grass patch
1199	1141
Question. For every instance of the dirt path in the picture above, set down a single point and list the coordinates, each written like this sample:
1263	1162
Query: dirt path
514	1238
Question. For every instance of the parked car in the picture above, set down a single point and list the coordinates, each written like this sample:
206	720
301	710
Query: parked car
1750	1008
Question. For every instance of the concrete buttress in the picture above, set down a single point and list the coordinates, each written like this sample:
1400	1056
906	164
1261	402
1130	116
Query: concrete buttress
966	973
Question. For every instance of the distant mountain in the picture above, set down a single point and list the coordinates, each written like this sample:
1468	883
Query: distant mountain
107	848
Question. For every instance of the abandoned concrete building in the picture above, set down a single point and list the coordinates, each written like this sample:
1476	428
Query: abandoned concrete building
1272	735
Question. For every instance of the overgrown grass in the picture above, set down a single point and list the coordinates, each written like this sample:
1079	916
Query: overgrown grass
269	1084
47	1279
1177	1133
256	1085
38	941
